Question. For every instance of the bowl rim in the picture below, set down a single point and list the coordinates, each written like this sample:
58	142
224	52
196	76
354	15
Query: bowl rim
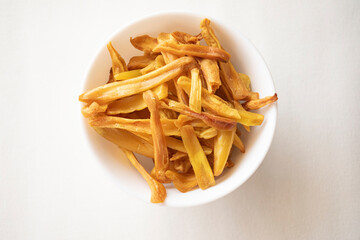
221	23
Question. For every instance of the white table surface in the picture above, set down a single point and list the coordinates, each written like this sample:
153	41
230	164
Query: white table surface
308	187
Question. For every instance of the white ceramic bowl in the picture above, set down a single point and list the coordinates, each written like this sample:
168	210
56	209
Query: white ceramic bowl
245	58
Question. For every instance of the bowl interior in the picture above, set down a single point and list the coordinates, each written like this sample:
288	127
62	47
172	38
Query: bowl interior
244	57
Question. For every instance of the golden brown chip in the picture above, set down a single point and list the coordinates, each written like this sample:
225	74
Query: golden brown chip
222	146
182	182
198	160
118	63
183	37
259	103
210	69
158	191
117	90
138	62
144	43
193	50
161	156
217	122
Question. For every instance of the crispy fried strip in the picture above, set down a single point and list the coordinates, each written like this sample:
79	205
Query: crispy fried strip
127	75
198	160
230	77
210	101
168	57
232	81
207	133
134	125
193	50
238	143
183	37
158	63
161	155
117	90
182	182
144	43
138	62
248	118
182	166
164	37
158	191
185	119
135	102
118	63
92	109
195	92
149	68
256	104
179	145
210	70
208	34
127	140
172	143
222	146
178	156
217	122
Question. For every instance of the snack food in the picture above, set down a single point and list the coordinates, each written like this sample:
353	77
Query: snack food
180	104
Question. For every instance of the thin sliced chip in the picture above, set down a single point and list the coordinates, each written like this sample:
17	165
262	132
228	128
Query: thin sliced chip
195	92
193	50
178	156
117	90
210	69
207	133
187	120
134	125
183	37
118	63
159	62
144	43
127	140
182	166
222	146
161	156
171	142
208	34
127	75
217	122
201	167
158	191
135	102
182	182
232	81
211	102
256	104
248	118
138	62
92	109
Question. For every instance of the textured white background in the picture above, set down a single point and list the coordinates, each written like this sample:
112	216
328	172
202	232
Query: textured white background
307	188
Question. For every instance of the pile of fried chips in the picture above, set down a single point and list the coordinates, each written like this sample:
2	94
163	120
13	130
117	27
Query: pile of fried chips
179	104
